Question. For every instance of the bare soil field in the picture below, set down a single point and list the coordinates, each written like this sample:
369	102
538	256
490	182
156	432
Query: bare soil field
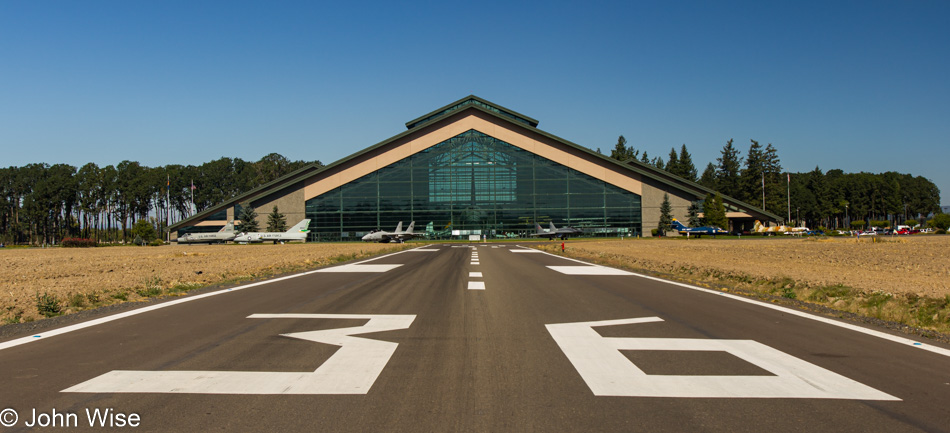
74	279
901	279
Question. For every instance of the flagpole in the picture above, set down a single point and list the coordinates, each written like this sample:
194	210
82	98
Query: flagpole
763	190
789	192
192	208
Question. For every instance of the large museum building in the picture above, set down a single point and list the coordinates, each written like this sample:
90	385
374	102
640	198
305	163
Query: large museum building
472	168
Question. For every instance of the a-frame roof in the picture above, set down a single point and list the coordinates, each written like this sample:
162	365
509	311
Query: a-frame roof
511	117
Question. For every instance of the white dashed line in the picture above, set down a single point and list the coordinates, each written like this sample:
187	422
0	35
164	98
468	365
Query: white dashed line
476	285
474	274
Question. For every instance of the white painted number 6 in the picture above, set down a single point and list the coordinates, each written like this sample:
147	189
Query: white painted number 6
609	373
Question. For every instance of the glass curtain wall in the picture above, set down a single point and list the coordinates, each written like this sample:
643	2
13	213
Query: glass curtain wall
473	184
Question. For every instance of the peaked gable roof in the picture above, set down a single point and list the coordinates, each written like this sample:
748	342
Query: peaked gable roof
458	107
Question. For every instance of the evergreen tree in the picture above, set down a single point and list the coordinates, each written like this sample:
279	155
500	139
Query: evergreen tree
644	158
673	164
686	169
692	214
658	163
751	179
728	171
775	181
709	177
621	152
666	217
714	211
276	221
248	219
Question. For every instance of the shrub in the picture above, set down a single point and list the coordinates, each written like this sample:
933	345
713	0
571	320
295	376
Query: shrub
654	232
940	232
78	243
156	243
857	225
48	305
77	300
143	230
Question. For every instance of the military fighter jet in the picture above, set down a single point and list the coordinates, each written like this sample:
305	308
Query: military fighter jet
296	233
398	235
554	232
225	234
697	231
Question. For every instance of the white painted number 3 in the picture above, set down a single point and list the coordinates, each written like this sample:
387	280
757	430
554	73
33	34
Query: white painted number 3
609	373
351	370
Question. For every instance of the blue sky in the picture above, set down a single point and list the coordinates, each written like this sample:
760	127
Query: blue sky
860	86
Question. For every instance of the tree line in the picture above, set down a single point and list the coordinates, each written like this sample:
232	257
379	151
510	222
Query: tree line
817	198
43	204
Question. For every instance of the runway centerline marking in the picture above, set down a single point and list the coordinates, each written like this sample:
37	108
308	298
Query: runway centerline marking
476	285
608	372
474	274
352	369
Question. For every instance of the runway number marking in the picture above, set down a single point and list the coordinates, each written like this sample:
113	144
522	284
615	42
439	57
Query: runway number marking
351	370
609	373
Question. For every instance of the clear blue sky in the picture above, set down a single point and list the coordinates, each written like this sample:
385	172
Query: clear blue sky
860	86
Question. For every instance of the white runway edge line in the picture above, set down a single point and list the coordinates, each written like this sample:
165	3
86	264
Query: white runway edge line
866	331
101	320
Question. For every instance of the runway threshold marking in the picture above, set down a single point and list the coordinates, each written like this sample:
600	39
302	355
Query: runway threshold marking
588	270
352	369
67	329
608	372
802	314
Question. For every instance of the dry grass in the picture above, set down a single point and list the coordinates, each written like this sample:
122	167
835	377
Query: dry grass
906	279
71	279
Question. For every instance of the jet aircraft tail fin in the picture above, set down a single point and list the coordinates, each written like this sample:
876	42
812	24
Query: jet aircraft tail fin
302	226
229	227
408	231
678	225
398	228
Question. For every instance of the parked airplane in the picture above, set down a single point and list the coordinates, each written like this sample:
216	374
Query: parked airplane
697	231
554	232
296	233
760	228
398	235
225	234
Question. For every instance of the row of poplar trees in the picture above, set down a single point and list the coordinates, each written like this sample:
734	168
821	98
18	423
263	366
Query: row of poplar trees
817	198
43	204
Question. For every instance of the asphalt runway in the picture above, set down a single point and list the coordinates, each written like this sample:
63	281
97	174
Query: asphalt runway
474	337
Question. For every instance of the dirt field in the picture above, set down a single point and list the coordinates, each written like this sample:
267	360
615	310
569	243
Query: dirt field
80	278
913	264
906	280
903	280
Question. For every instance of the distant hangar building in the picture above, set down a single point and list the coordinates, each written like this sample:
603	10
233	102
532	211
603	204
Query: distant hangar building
473	167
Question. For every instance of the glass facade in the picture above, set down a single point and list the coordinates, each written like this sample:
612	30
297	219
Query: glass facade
473	184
